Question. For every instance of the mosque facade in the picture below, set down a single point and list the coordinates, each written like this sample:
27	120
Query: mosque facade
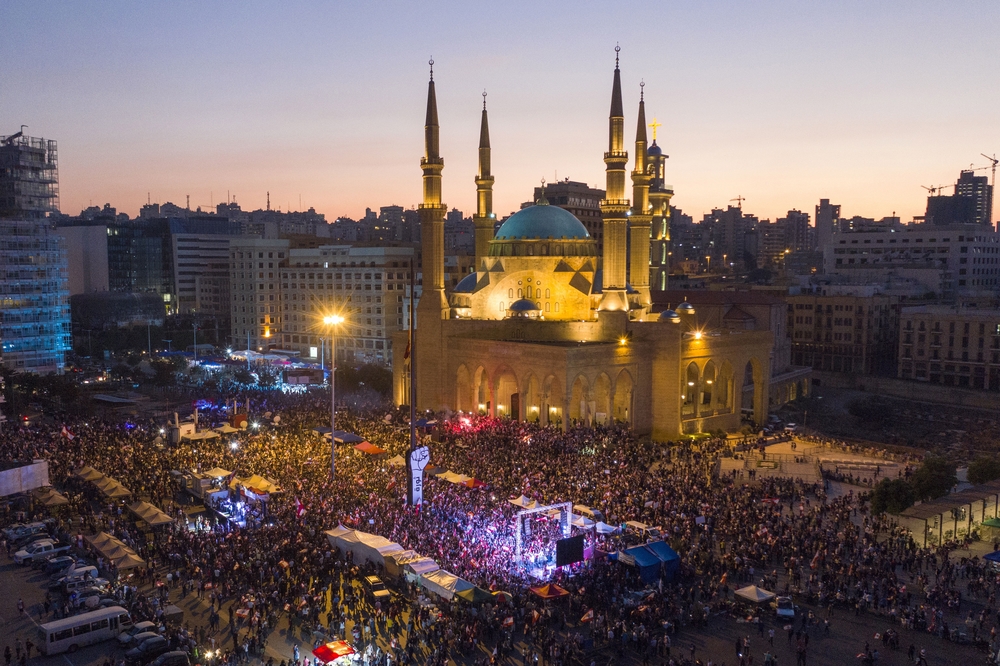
549	329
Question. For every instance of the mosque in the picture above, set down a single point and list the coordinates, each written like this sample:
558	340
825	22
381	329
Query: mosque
549	329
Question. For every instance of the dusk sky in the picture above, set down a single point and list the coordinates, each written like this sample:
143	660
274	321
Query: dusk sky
780	102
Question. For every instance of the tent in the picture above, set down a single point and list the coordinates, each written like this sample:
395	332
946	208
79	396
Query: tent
668	556
991	522
604	528
412	571
581	521
644	559
329	652
394	561
217	473
444	584
523	502
155	517
88	473
369	448
993	556
226	429
257	484
49	497
550	591
366	547
115	551
754	594
474	483
111	488
476	595
397	461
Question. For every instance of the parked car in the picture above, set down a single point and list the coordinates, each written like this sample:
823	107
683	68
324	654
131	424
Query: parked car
72	586
31	538
375	589
39	550
127	637
58	565
783	607
148	650
87	597
173	658
20	530
791	427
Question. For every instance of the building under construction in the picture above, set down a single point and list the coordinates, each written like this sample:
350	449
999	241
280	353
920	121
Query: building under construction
29	177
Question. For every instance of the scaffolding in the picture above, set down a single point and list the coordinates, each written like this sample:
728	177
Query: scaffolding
29	177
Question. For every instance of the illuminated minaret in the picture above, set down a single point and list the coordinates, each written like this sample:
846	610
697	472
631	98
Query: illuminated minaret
641	217
484	217
433	305
614	208
659	200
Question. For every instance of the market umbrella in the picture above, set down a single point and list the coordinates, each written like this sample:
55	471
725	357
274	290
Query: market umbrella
550	591
476	595
500	595
333	651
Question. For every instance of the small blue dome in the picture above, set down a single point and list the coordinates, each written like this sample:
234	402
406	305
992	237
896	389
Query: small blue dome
466	285
654	149
542	222
523	305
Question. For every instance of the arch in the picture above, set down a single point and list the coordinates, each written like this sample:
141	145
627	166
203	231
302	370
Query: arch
507	395
724	390
753	399
579	409
552	401
602	398
689	390
463	390
532	402
623	397
709	376
482	395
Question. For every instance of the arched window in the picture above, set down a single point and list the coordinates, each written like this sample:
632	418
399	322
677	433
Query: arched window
547	295
538	292
557	306
520	293
546	306
502	308
510	293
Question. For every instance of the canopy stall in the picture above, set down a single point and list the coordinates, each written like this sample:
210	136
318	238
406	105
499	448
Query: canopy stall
88	473
49	497
604	528
152	515
339	436
754	594
476	595
115	551
549	591
523	502
668	556
217	473
366	547
331	652
256	484
643	559
111	489
444	584
397	461
369	448
581	521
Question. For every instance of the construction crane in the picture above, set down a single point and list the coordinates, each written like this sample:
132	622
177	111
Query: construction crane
993	178
739	199
934	190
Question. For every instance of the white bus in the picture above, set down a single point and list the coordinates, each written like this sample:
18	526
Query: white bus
70	633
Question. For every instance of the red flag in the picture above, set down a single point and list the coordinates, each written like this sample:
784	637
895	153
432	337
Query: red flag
299	508
67	434
588	616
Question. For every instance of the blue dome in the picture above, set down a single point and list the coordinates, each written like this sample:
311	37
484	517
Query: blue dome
522	305
467	285
542	222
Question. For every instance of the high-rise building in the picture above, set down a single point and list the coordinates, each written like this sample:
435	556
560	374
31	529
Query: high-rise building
255	291
979	190
34	301
827	220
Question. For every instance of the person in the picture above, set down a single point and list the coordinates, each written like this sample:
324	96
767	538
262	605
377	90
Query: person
20	606
7	656
27	647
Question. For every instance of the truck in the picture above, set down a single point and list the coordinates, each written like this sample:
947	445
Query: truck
40	550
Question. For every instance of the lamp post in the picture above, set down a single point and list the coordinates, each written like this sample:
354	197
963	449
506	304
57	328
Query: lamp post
333	321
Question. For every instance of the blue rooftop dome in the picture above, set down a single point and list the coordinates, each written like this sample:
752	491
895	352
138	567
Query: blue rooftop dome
542	222
467	285
522	305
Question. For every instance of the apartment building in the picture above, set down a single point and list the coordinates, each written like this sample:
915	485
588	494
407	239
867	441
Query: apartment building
255	291
850	329
951	346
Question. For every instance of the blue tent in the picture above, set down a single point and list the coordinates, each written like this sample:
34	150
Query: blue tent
671	560
645	560
993	557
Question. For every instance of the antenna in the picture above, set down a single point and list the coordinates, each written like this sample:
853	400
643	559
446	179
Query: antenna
739	201
269	201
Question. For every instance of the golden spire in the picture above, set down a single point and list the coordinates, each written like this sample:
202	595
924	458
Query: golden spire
614	207
432	164
483	219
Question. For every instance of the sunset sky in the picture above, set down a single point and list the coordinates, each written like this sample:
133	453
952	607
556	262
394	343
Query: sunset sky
780	102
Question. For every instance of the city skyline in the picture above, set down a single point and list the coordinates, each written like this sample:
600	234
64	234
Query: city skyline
780	104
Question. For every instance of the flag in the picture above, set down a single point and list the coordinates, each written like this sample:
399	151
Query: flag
299	508
406	354
508	622
725	577
588	616
229	479
67	434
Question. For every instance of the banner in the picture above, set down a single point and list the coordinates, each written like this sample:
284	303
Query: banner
418	461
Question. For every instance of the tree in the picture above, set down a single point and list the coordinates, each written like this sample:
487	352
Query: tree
892	495
984	469
268	376
934	478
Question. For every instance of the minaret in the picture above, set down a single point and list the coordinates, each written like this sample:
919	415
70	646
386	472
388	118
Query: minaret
639	221
659	200
433	305
614	207
484	217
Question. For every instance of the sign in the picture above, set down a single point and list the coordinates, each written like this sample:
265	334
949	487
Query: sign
418	461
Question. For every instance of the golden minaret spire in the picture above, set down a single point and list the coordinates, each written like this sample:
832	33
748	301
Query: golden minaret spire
641	217
432	211
484	218
615	206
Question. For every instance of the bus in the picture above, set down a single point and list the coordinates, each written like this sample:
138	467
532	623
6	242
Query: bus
70	633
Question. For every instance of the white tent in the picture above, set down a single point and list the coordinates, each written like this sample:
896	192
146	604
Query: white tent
581	521
755	594
524	502
604	528
444	584
366	547
415	569
397	461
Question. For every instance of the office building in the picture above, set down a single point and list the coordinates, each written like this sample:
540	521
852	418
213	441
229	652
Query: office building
255	291
951	346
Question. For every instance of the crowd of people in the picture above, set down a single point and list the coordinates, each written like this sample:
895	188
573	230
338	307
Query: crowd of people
778	533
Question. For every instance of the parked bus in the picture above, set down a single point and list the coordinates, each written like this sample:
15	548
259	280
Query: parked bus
70	633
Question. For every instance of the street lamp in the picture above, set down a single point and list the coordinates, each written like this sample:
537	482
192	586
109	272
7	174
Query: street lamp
333	321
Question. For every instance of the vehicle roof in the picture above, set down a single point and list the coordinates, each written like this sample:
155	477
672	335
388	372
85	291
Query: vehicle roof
77	619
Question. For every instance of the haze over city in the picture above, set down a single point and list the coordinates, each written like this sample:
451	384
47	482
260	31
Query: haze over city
782	103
